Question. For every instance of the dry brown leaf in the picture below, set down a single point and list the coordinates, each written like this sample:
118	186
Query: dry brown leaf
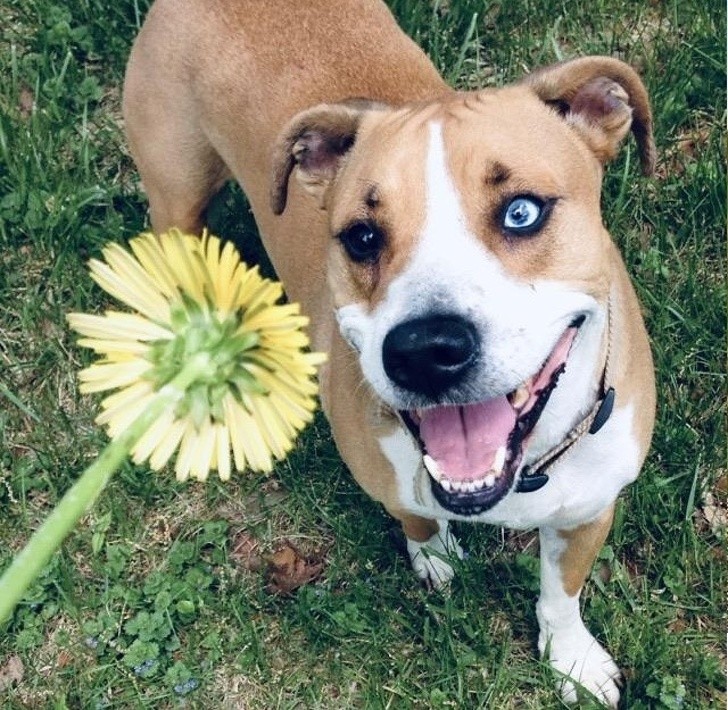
715	513
721	485
605	572
288	569
63	659
12	671
26	102
245	552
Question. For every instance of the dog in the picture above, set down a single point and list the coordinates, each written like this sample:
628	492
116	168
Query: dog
488	360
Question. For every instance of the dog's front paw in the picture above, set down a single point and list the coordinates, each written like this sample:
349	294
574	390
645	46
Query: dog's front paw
429	558
581	663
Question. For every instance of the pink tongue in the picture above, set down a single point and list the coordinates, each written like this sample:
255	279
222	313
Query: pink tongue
464	440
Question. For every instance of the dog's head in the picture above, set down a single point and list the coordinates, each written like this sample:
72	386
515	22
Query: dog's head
468	257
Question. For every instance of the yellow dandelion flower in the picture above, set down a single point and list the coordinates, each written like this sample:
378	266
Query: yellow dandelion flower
193	296
208	365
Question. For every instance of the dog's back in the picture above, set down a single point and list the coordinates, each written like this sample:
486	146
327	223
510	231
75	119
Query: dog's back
203	71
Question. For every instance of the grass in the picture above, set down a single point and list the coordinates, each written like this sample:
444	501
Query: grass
160	599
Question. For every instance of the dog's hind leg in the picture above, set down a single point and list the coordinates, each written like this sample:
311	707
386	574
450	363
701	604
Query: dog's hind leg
429	544
567	557
179	168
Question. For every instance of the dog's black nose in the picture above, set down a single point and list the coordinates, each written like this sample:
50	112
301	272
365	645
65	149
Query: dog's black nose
430	355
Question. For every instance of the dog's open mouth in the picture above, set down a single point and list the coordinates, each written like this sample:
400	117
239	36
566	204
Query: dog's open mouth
472	452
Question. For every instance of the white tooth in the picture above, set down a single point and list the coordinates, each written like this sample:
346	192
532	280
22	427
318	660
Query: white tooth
446	484
469	487
499	460
458	486
520	397
489	481
477	485
432	467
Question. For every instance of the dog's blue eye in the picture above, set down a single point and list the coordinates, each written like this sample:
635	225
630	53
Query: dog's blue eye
524	215
362	241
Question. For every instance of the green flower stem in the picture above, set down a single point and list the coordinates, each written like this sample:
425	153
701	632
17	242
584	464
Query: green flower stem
28	564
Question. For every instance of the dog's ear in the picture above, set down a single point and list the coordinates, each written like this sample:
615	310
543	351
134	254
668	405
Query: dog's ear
315	142
602	98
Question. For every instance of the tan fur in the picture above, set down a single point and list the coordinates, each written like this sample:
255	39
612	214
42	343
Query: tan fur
634	382
217	101
582	547
416	528
221	88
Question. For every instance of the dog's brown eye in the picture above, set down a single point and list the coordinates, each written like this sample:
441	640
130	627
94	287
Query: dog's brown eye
362	241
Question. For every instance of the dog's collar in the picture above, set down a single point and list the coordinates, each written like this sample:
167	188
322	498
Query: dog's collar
534	476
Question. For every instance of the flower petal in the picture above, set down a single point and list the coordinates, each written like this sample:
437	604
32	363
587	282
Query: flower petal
186	452
114	346
117	326
102	377
245	430
227	281
284	316
153	437
272	428
204	455
147	250
183	258
168	445
128	395
155	308
120	418
133	274
236	440
222	436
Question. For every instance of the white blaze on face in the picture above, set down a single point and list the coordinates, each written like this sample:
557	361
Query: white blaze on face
451	272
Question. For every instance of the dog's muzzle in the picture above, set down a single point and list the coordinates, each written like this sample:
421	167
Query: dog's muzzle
471	450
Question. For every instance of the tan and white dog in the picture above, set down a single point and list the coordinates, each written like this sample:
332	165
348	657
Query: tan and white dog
488	360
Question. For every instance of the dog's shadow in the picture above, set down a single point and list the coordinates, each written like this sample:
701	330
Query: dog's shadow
228	215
